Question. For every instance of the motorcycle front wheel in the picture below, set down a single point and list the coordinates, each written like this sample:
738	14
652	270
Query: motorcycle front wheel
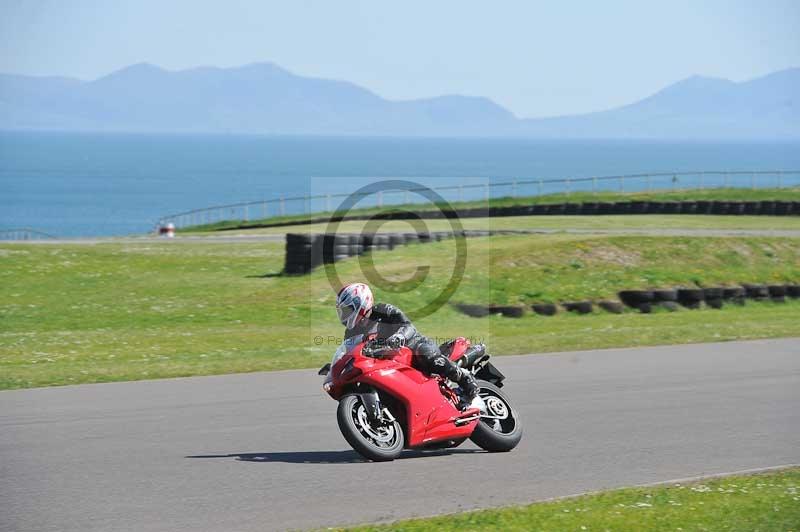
500	429
379	441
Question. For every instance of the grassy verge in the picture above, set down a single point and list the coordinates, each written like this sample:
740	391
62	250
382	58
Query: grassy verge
765	502
553	223
125	311
721	194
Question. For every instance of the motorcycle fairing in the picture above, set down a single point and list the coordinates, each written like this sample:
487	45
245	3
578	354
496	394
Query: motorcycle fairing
430	415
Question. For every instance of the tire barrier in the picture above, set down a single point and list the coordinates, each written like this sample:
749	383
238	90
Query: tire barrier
590	208
545	309
578	307
777	293
614	307
646	301
304	252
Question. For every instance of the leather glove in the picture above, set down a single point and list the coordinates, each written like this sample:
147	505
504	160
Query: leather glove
396	340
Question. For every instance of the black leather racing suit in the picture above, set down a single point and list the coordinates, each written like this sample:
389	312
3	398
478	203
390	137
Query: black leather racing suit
386	320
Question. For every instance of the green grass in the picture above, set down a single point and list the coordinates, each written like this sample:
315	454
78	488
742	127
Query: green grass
125	311
553	223
762	502
722	194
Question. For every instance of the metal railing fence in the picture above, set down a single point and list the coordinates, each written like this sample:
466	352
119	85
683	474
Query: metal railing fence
24	233
322	203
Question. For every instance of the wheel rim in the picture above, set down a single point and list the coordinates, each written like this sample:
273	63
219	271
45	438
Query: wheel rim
502	418
380	435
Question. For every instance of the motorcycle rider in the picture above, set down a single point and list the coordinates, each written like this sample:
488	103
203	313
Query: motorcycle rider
362	316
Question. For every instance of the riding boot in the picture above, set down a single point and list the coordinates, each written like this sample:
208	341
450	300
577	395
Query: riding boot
469	388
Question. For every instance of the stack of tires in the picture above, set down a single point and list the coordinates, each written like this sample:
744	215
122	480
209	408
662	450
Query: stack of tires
302	253
338	247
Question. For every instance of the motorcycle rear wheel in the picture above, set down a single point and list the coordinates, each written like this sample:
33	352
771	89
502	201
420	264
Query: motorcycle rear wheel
379	442
496	435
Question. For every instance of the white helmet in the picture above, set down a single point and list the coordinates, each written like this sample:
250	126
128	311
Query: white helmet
353	304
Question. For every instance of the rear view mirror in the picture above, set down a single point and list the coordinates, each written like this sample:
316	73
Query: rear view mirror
324	369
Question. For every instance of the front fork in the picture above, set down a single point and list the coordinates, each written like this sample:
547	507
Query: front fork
376	412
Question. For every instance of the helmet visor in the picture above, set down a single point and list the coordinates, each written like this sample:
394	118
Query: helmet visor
344	312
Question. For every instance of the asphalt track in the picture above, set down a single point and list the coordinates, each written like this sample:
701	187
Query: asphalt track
262	451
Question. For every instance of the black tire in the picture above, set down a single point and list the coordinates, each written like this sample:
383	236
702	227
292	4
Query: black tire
350	410
299	238
671	207
579	307
622	207
733	292
756	291
793	291
614	307
665	295
545	309
605	207
736	208
473	311
777	290
719	207
396	240
512	312
713	293
783	208
506	433
634	298
690	297
751	207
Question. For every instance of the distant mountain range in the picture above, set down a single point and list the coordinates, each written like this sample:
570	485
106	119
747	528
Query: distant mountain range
266	99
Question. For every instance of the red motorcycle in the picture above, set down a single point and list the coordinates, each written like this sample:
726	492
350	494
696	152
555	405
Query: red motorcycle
386	405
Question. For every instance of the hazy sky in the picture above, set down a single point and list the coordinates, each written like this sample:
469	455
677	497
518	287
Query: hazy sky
536	58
